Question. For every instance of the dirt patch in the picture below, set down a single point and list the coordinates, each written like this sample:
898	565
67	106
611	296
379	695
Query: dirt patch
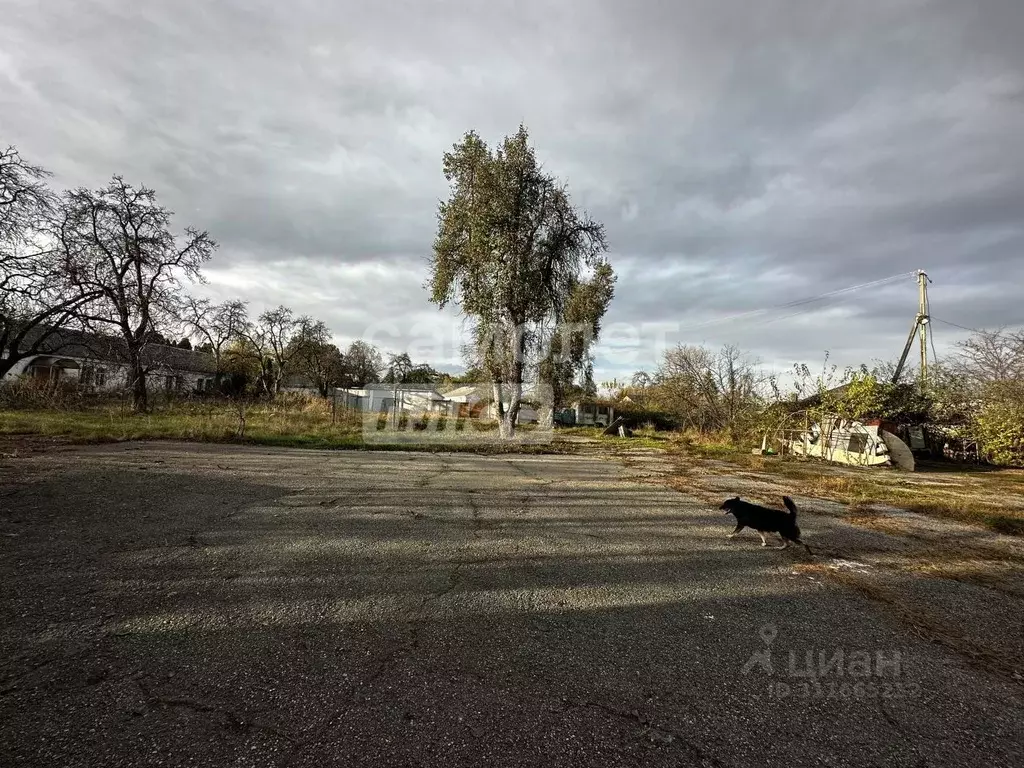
15	446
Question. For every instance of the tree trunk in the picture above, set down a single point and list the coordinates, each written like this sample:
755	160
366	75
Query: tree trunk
507	419
240	405
515	401
507	423
546	417
140	396
499	411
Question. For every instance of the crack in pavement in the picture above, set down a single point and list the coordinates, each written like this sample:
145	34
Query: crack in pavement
659	734
234	719
445	469
454	578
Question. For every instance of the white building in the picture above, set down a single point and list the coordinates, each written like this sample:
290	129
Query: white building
376	398
95	363
594	414
478	399
469	401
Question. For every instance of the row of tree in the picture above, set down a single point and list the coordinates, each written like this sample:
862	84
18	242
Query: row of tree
261	352
107	262
524	267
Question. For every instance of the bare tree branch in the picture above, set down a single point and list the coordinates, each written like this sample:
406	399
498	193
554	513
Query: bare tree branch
116	242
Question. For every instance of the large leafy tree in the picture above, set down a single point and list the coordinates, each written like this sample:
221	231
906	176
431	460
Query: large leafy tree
415	374
317	357
565	356
117	244
511	252
361	365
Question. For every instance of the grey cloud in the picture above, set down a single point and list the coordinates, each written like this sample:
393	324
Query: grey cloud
741	155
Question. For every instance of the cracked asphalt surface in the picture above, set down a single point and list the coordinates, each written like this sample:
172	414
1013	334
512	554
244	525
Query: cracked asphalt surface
186	605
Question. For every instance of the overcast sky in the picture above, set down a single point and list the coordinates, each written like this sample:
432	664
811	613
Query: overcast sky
742	155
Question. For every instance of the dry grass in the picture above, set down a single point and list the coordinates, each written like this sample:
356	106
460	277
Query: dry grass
289	421
296	420
973	495
914	548
991	572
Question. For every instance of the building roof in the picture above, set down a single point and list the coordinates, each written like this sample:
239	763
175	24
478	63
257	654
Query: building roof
464	391
484	391
69	342
424	389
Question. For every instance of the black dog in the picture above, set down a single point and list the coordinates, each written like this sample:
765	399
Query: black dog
765	520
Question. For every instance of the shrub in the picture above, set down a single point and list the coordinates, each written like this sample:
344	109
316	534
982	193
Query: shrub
999	424
26	393
639	418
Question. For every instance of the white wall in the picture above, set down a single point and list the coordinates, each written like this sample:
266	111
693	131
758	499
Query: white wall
375	399
116	376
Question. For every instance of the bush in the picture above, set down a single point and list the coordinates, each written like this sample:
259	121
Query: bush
639	418
999	424
26	393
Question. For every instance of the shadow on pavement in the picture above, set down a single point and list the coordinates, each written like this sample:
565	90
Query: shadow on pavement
444	611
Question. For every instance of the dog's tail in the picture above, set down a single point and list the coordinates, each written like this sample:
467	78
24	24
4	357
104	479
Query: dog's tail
791	506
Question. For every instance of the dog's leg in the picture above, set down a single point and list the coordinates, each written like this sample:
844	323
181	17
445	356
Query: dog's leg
739	528
785	543
764	541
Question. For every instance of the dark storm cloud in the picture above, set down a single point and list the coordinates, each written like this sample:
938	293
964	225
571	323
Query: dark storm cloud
742	155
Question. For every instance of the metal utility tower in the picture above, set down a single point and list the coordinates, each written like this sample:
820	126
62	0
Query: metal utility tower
919	327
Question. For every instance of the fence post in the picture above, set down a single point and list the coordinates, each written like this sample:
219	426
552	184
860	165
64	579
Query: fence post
334	406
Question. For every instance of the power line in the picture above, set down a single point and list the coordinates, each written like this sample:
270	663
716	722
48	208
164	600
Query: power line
955	325
798	302
847	290
966	328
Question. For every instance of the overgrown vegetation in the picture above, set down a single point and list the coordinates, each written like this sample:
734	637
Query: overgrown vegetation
998	423
963	493
288	420
524	266
975	398
291	419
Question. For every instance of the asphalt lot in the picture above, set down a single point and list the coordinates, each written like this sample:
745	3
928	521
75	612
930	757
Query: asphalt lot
173	605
